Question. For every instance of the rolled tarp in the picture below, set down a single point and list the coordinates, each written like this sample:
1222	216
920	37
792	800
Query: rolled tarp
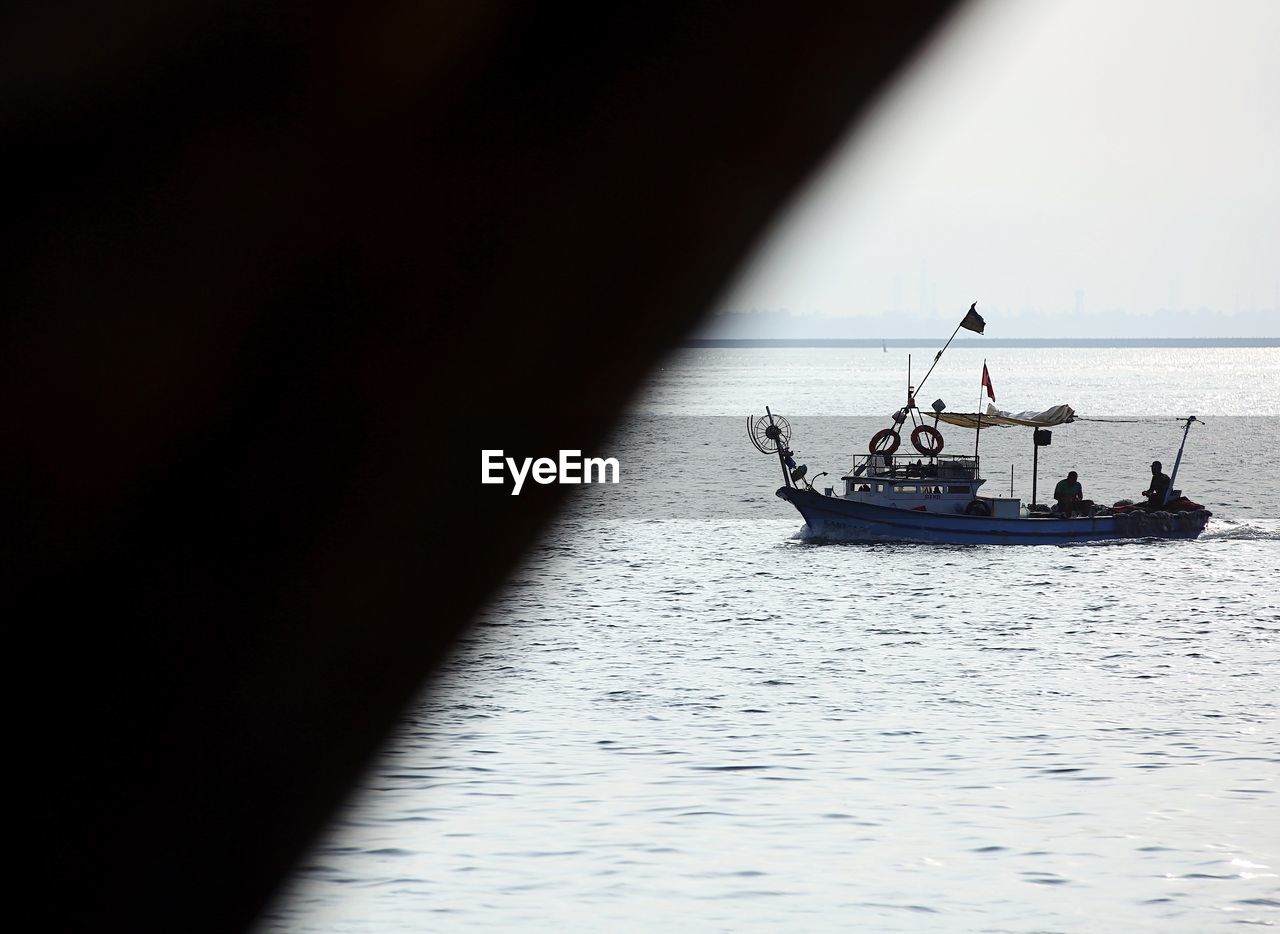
998	418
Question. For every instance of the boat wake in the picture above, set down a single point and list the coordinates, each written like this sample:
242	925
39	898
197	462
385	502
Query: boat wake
1234	532
806	535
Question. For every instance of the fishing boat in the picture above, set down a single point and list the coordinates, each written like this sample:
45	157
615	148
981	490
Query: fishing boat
928	496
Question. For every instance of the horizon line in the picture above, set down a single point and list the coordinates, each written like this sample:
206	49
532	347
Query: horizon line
746	342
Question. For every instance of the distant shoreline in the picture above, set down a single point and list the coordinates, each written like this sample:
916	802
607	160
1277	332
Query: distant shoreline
742	343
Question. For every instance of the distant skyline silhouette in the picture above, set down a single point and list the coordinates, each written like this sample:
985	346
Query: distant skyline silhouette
1093	166
1201	323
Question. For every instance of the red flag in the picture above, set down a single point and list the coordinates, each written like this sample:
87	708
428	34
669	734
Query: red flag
986	381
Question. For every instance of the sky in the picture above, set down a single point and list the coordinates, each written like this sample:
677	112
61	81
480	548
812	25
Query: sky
1065	165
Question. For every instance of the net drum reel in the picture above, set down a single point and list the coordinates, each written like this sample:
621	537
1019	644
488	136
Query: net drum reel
771	434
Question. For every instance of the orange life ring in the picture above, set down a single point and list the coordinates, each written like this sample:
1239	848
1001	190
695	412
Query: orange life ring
885	441
934	446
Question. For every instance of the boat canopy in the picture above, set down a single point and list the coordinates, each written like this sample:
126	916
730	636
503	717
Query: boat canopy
998	418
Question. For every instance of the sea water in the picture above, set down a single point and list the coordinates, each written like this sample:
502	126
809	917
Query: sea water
680	714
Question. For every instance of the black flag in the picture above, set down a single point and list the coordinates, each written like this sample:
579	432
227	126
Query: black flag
973	321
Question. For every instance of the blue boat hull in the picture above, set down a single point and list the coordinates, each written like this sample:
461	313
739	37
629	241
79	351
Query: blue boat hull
842	519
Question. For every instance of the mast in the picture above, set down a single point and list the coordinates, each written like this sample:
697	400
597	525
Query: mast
1035	464
1178	460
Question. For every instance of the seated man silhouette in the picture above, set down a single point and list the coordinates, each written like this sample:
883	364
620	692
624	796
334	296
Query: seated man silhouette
1069	495
1159	487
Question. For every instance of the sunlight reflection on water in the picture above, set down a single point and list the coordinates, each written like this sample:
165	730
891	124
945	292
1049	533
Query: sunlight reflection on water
677	716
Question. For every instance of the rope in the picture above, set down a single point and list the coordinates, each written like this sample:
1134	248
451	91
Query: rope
1126	421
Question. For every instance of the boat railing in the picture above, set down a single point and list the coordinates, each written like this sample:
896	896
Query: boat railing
912	467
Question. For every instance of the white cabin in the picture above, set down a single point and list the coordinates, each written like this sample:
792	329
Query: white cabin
942	483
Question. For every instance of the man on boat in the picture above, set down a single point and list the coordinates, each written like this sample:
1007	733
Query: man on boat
1159	487
1069	494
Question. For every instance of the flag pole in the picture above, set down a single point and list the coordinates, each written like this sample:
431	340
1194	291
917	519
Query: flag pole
938	356
978	433
972	312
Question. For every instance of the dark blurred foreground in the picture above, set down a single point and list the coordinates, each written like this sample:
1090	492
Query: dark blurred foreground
272	275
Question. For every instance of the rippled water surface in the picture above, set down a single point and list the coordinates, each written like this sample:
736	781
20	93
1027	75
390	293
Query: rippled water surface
679	715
